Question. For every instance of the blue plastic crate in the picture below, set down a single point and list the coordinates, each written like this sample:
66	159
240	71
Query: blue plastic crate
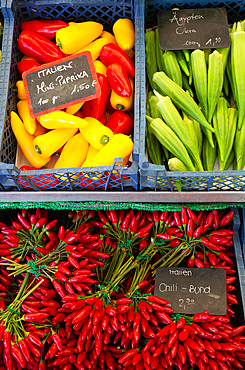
156	177
115	177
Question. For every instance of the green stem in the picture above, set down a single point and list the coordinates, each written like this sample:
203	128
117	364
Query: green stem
23	285
32	290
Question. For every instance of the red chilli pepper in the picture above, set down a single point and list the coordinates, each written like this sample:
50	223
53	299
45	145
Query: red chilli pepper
214	247
227	218
191	214
112	53
24	222
177	219
222	232
183	216
35	316
118	79
38	47
215	224
127	355
145	229
24	349
189	229
17	355
208	222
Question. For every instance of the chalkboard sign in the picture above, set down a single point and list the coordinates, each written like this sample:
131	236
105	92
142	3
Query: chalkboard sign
192	290
57	85
193	29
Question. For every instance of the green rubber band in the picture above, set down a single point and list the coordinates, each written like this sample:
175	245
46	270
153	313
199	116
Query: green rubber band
176	317
13	311
138	294
159	243
33	249
114	287
104	294
140	257
36	271
126	247
189	245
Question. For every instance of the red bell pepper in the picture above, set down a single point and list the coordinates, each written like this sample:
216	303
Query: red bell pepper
112	53
47	29
96	107
120	123
118	79
25	65
38	47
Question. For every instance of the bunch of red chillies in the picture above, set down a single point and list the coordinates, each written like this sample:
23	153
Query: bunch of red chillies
78	294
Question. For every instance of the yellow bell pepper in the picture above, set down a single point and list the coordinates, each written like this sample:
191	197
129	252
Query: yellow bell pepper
50	142
90	156
96	133
74	37
100	67
72	109
123	30
24	113
109	36
121	102
94	48
74	152
40	130
25	141
120	146
21	94
61	119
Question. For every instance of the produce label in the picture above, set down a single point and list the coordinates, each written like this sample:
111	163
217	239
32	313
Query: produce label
193	29
192	290
57	85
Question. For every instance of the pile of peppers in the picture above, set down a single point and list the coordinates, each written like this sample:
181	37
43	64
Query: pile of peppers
89	134
76	291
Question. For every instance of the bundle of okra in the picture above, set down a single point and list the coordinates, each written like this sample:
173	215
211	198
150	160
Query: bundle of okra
195	111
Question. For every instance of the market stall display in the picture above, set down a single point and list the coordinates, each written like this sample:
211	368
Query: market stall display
77	289
193	108
110	50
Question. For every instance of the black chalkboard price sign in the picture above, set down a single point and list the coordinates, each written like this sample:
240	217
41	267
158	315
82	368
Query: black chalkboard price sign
59	84
193	29
192	290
